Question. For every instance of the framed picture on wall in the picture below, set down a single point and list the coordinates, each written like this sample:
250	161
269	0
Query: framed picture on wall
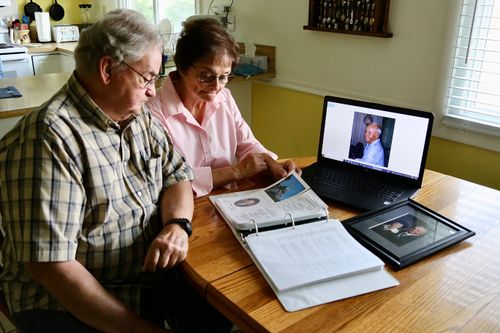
405	232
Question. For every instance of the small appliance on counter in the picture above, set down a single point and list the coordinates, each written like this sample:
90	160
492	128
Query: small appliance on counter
42	21
65	33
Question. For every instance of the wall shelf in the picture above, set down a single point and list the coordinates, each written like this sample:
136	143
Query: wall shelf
354	17
263	50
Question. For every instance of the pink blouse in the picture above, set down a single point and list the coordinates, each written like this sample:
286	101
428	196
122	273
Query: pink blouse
221	140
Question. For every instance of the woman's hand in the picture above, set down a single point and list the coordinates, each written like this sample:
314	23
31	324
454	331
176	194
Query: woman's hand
251	165
289	166
280	170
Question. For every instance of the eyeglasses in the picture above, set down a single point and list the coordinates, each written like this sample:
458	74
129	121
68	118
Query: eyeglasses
209	77
147	82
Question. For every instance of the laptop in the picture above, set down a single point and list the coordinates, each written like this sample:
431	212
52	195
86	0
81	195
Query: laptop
370	155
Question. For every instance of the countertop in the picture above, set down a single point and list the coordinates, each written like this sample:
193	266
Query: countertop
35	89
68	48
38	89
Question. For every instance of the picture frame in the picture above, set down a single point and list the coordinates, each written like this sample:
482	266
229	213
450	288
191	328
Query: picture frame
405	232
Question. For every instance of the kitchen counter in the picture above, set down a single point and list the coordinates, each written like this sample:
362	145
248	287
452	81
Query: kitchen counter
38	89
35	89
68	48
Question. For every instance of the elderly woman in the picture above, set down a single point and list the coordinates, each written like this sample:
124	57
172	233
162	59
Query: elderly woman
201	115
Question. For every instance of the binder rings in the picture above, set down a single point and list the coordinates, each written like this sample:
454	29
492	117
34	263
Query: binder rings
307	260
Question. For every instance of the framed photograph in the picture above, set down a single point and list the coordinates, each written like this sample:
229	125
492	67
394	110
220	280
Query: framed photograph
405	232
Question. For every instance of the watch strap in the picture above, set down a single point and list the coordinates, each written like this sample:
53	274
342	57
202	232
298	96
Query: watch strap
183	222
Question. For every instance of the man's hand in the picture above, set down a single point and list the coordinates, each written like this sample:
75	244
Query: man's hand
169	248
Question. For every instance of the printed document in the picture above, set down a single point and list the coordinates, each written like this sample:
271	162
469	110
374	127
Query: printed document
309	254
289	199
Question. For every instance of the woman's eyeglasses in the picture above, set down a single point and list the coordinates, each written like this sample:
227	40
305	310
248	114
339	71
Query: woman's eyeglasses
147	82
209	77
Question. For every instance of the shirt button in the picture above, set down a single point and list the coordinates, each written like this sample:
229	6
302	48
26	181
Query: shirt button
139	193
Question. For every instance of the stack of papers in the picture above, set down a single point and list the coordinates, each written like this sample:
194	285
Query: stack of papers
310	253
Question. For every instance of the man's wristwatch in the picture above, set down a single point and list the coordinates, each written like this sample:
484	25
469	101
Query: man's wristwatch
184	223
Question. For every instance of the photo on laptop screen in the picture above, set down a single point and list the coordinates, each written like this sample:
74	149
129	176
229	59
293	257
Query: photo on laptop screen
369	155
372	138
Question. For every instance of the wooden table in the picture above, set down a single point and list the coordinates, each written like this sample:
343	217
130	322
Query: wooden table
457	289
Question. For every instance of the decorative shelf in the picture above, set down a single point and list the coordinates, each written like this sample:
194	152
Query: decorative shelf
354	17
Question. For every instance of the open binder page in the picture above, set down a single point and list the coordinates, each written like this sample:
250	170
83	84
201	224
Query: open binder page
310	253
333	290
329	290
299	298
288	199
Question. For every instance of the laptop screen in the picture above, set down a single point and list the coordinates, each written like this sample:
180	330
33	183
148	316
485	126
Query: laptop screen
388	139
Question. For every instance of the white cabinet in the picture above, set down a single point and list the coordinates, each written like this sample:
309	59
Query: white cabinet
6	124
53	63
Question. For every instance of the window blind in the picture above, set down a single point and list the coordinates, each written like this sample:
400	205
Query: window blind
473	98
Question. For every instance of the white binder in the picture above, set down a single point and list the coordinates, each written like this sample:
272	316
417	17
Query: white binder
305	264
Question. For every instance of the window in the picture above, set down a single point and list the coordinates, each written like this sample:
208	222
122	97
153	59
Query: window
473	98
156	10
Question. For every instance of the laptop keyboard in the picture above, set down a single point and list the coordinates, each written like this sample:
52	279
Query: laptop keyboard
350	182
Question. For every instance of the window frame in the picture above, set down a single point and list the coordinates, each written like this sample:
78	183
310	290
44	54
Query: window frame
462	122
126	4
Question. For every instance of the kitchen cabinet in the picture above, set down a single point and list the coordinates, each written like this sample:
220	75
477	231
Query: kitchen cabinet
53	63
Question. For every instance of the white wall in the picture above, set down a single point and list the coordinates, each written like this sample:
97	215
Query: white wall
408	70
401	69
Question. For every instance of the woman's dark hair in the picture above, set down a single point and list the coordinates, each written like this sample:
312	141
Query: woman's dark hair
203	38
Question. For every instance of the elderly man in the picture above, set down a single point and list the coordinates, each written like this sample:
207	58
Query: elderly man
374	151
96	204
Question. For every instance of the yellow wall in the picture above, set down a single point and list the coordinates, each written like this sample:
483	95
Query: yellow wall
71	9
288	122
468	162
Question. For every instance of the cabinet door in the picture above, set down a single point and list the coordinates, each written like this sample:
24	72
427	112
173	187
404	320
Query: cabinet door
67	63
53	63
6	124
47	63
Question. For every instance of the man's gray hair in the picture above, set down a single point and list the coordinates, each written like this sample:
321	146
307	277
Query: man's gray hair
377	127
124	35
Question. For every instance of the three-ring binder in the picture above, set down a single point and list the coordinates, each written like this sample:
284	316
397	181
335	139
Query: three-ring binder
288	218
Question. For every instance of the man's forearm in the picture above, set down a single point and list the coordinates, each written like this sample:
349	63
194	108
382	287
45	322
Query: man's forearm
177	202
82	295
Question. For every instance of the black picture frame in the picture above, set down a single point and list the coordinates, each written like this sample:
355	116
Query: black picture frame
405	232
